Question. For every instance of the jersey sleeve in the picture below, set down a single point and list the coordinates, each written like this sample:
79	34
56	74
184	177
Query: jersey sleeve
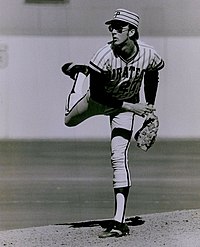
156	62
100	61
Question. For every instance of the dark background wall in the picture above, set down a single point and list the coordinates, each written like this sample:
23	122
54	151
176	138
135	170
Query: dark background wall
87	17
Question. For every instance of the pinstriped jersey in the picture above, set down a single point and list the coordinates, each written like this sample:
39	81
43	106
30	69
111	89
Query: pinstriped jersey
125	76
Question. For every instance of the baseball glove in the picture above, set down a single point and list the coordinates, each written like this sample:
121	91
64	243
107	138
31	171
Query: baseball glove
146	135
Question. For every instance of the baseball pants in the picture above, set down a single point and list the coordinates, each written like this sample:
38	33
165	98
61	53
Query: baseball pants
121	124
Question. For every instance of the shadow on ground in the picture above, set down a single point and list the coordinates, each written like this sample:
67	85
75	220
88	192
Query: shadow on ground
132	221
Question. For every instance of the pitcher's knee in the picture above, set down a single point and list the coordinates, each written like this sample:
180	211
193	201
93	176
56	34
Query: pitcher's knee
69	125
68	122
118	158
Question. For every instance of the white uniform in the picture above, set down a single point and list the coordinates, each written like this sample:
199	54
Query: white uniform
124	84
116	82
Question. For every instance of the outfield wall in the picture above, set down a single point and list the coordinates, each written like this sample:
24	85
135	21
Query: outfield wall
33	88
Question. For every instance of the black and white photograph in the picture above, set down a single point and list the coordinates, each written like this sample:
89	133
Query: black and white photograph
99	133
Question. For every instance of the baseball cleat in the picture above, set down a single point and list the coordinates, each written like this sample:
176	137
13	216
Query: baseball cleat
72	70
66	68
115	229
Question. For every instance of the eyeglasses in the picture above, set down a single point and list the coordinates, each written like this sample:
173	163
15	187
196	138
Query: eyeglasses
119	29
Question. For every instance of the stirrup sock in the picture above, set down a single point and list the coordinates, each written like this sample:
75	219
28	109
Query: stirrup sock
78	83
121	196
76	93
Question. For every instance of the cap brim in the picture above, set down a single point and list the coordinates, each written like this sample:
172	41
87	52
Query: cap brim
115	20
108	22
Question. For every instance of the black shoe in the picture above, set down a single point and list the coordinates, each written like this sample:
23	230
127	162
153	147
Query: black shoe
115	229
71	69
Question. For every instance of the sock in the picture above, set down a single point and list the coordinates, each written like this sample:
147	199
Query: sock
76	93
78	83
121	196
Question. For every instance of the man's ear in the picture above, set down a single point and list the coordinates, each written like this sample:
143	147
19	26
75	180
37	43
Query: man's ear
131	32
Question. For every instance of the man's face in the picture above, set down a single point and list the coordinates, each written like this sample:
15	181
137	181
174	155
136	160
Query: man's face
119	32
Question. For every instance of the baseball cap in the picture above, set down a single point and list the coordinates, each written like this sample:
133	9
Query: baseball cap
125	16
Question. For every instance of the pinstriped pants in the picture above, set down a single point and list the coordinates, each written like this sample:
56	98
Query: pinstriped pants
121	124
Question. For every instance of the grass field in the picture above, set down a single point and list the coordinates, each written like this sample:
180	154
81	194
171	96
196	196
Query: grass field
53	182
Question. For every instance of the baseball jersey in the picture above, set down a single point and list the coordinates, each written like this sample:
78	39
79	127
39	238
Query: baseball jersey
125	76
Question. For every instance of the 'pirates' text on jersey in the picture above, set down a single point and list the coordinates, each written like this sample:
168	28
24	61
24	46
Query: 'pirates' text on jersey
126	75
